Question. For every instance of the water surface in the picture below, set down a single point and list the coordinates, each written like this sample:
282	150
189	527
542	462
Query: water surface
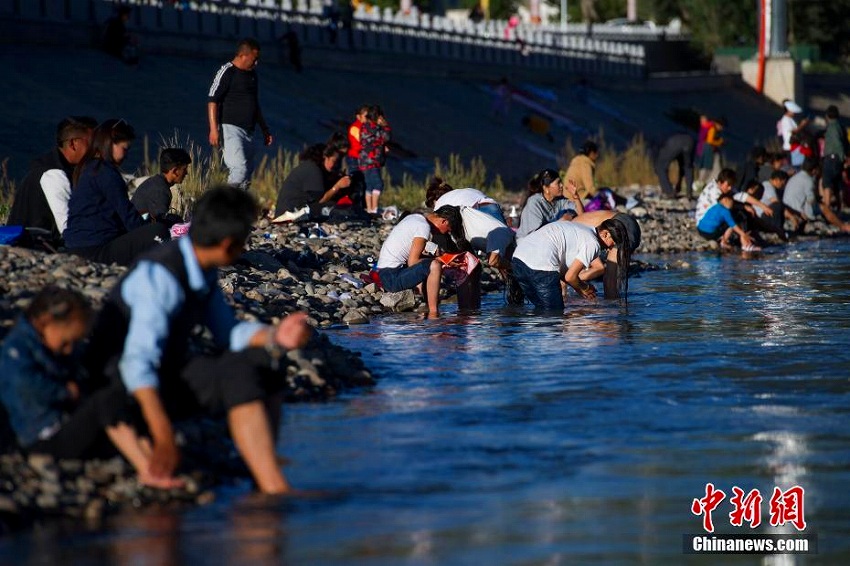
509	438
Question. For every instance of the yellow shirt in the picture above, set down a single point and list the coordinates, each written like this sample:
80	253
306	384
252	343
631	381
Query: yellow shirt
581	171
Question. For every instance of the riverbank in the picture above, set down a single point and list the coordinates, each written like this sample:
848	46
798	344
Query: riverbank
287	268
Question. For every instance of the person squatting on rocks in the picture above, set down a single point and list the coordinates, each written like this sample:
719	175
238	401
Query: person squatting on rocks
545	201
51	407
153	197
718	224
41	200
723	184
103	225
405	262
142	335
234	110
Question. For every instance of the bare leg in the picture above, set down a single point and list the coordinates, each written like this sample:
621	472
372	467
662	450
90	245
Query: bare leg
432	286
137	451
249	427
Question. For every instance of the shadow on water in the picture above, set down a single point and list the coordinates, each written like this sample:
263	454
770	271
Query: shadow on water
506	437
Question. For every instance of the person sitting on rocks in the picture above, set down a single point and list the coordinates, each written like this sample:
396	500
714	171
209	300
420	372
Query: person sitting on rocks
723	184
557	252
619	257
313	184
153	197
49	410
41	200
581	173
756	220
801	198
406	262
718	224
103	225
545	201
142	338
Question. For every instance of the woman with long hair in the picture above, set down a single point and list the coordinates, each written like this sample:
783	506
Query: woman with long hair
616	265
103	225
544	201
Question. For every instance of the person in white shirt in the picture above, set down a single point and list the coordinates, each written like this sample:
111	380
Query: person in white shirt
786	126
403	262
560	251
439	193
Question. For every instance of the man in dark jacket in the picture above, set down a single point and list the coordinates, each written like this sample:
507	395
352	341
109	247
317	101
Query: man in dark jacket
41	200
680	148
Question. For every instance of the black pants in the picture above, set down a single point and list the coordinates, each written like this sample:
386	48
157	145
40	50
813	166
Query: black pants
686	173
83	435
123	250
212	385
774	224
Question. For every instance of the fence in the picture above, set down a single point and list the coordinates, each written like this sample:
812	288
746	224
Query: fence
381	31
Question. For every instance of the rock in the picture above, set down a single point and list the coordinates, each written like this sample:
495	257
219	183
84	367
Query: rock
261	260
355	317
399	302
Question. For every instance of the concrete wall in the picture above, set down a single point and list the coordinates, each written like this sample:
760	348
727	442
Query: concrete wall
207	34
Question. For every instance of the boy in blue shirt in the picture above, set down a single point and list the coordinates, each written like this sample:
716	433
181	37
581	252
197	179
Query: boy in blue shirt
718	224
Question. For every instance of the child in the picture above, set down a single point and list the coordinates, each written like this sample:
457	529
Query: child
718	224
374	136
41	392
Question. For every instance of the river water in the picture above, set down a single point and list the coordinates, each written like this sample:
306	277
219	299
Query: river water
509	438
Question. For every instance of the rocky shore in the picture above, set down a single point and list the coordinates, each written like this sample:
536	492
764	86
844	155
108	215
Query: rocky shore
287	268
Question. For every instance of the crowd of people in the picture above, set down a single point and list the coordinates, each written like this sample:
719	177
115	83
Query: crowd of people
135	375
805	177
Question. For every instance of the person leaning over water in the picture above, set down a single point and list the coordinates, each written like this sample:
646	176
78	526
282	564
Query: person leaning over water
142	337
402	263
618	260
560	251
439	193
544	201
42	390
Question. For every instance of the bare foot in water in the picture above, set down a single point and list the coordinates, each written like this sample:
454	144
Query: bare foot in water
161	483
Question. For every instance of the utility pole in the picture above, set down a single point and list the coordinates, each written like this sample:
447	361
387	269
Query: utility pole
631	10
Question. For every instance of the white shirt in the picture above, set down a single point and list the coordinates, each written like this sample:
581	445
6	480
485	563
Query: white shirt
800	194
785	127
484	232
396	249
463	197
709	197
555	246
767	196
57	189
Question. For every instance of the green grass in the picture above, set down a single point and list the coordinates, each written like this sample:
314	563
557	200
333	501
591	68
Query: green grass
614	169
7	191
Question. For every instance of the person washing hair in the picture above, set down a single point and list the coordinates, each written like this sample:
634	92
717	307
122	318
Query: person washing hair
560	251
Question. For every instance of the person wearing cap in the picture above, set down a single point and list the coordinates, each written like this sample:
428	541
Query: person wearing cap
786	126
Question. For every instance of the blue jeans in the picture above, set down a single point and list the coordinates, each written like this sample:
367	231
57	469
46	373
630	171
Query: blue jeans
238	147
394	279
542	288
374	182
493	210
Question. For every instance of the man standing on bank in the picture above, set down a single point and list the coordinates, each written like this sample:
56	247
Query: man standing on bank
234	109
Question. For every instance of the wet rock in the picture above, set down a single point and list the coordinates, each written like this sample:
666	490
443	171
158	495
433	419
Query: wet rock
355	317
399	302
